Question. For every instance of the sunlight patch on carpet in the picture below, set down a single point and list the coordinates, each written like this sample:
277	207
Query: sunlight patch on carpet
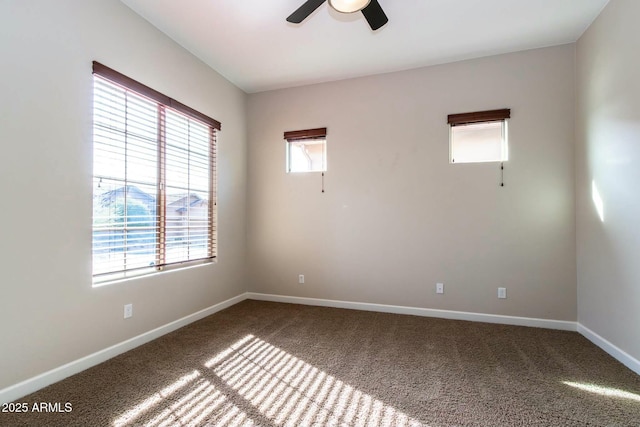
155	399
284	389
290	392
604	391
186	402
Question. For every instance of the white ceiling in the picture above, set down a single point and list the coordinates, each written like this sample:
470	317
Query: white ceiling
250	43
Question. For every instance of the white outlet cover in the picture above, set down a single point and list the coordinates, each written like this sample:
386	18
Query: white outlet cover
440	288
502	293
301	278
128	310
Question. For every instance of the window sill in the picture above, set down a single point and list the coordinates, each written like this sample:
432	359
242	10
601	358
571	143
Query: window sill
145	273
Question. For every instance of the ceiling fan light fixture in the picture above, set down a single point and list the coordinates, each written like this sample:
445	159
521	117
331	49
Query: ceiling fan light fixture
348	6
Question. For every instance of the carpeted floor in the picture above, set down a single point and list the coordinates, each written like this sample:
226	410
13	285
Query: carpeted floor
271	364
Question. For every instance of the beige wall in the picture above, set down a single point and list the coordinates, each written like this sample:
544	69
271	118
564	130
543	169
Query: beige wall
608	152
396	217
49	313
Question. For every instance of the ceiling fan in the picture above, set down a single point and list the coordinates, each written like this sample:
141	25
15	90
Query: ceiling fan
371	10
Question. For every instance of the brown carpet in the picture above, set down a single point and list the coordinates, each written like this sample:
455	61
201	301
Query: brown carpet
270	364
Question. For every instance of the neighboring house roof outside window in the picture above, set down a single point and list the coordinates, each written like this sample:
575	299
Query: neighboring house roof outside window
192	200
180	203
131	192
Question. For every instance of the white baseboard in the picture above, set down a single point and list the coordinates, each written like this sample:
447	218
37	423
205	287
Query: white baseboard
426	312
620	355
26	387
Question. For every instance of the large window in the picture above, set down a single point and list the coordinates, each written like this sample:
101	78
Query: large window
154	171
479	137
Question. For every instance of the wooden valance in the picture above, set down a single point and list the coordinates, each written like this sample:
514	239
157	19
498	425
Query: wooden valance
136	86
297	135
478	116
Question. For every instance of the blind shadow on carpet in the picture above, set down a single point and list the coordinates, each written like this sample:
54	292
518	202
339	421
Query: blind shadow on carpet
273	364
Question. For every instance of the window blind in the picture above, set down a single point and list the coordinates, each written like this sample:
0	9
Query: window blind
154	180
298	135
478	117
479	136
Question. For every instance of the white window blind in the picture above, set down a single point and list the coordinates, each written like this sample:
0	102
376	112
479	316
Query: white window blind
479	142
480	136
154	180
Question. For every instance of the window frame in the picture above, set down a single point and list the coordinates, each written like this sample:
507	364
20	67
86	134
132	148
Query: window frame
476	118
306	136
165	105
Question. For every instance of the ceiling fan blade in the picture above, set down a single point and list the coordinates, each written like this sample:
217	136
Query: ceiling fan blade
305	10
375	15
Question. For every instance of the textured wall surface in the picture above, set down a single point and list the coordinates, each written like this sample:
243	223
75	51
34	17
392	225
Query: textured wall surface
607	156
396	217
49	313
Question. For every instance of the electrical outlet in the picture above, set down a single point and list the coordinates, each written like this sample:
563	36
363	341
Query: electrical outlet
439	288
502	293
301	278
128	311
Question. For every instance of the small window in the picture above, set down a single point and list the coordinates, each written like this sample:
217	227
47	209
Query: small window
306	150
479	137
